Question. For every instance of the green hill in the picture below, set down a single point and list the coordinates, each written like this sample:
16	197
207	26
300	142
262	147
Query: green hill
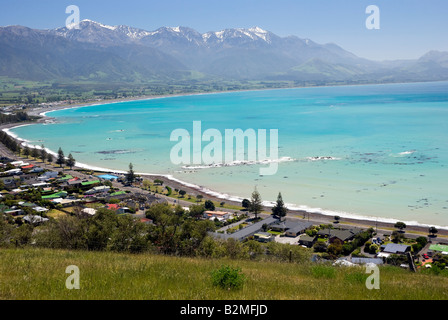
40	274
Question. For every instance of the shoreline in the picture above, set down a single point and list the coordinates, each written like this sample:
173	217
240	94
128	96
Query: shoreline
171	181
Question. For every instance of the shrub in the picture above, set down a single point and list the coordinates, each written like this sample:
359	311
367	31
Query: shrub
228	278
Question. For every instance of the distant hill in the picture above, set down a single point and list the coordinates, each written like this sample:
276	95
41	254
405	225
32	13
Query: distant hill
100	52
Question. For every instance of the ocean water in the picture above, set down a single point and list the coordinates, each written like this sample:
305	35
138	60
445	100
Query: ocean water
388	145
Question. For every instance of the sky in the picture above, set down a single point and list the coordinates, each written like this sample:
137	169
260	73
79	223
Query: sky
408	28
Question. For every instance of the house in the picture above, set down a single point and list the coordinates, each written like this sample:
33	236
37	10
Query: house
393	248
67	177
61	194
65	202
307	241
282	226
90	183
99	189
19	163
298	228
46	176
123	210
89	211
13	172
376	261
9	183
33	206
14	212
290	227
246	232
112	206
40	185
72	183
263	237
146	221
220	215
340	234
118	195
35	220
29	177
36	170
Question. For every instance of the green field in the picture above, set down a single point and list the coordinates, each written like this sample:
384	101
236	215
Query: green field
31	93
40	274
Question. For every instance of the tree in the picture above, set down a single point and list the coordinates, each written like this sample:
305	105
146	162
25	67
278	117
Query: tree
397	236
335	248
255	203
373	248
182	193
245	204
199	197
60	160
71	161
433	231
130	176
209	205
279	210
35	153
43	153
400	225
50	158
26	151
197	211
336	219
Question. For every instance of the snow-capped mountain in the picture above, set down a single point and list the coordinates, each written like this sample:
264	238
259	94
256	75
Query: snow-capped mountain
92	31
96	50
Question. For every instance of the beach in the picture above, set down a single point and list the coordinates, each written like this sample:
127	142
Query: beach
211	194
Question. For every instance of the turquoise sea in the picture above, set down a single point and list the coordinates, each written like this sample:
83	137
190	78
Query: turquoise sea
388	145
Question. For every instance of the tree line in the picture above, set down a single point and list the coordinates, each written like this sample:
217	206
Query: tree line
19	116
173	231
37	153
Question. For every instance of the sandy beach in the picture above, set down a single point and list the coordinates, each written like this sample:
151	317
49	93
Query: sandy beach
209	194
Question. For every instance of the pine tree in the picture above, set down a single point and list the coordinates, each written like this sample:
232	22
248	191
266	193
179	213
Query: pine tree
26	151
70	161
60	159
43	153
279	210
255	203
130	176
34	153
50	158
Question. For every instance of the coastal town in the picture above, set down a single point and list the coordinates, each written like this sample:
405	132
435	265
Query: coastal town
35	190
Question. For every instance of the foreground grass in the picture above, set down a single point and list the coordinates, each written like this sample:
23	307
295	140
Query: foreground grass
40	274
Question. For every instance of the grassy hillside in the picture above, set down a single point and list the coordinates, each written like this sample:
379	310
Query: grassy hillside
40	274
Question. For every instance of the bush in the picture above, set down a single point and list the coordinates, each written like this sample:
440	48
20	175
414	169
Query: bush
228	278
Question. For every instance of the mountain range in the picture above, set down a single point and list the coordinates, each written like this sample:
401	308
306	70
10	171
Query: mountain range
99	52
